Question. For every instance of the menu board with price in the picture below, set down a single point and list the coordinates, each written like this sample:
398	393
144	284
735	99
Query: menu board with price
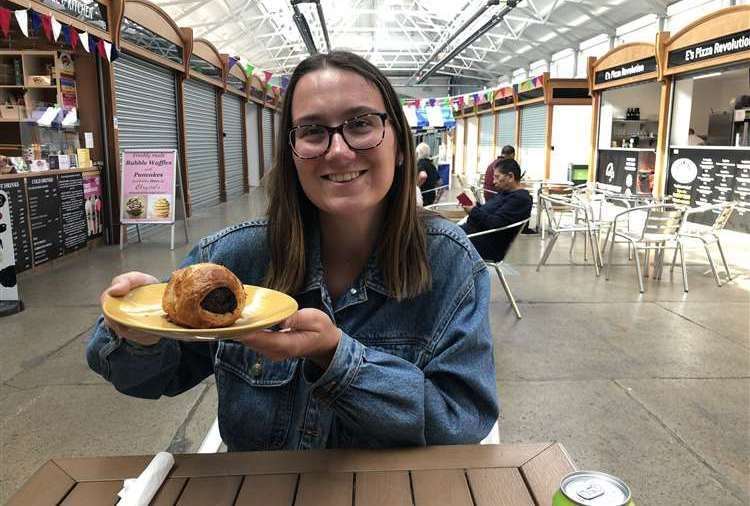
704	176
46	221
19	219
627	171
72	211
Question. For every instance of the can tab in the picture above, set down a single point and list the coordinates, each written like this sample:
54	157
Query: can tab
592	491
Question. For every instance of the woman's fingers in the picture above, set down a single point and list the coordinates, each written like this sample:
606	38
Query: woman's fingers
124	283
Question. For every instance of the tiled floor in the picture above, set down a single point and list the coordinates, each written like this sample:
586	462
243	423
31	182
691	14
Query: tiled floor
654	388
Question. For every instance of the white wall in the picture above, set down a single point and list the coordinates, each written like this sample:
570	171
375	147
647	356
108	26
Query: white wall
571	138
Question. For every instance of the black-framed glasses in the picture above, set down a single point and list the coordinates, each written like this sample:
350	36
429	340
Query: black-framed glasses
360	133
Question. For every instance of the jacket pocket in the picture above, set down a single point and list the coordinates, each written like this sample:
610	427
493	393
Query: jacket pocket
256	398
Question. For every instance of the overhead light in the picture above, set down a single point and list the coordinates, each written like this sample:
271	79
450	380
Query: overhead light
304	28
522	50
491	23
706	76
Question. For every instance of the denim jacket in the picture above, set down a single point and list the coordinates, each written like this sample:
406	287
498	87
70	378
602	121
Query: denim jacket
410	373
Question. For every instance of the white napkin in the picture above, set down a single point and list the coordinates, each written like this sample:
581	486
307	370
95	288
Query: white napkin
139	491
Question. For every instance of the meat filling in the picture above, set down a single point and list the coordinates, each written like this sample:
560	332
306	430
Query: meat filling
219	301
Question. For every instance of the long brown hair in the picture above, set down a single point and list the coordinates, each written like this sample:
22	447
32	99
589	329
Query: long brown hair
402	252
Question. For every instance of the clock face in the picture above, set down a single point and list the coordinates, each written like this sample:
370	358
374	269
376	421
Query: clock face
684	170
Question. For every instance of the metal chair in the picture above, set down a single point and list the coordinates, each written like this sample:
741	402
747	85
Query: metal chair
724	213
496	264
554	208
659	233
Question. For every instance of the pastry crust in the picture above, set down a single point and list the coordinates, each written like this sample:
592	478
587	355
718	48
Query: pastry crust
189	286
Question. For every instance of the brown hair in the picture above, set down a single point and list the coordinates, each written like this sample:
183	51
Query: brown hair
402	251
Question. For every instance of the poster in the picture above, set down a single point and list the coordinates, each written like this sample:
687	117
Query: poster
72	211
68	93
148	186
15	190
8	282
627	171
46	221
92	196
701	176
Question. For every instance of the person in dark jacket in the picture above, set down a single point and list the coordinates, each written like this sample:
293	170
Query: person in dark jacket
429	179
510	205
508	152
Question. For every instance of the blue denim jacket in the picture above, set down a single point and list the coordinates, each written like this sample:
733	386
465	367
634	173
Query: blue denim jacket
410	373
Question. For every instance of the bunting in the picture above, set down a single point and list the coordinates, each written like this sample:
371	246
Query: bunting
83	37
267	75
22	18
36	21
47	25
56	28
232	61
5	21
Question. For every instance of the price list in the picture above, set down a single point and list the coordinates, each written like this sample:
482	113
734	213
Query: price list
19	219
72	211
46	222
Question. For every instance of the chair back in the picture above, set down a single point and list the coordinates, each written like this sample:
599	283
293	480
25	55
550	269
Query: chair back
555	207
662	222
517	228
727	208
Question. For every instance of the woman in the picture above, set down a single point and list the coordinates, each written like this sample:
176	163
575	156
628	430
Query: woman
429	178
392	345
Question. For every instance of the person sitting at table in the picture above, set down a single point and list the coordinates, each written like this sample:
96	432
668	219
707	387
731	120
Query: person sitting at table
429	179
391	345
508	152
510	205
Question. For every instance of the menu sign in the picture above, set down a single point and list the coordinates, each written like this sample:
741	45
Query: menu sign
715	48
700	177
633	69
88	11
626	171
46	222
148	186
8	281
72	211
16	193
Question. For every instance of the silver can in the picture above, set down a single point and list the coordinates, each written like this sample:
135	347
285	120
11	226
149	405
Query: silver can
592	488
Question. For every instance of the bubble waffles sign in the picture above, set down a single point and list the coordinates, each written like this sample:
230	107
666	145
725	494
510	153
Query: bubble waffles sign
148	186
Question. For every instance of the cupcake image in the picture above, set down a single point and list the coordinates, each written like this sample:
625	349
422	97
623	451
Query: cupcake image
160	208
134	207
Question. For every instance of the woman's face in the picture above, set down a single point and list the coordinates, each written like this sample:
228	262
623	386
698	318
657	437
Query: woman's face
343	182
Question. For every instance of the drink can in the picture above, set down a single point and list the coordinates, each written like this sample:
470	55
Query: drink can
592	488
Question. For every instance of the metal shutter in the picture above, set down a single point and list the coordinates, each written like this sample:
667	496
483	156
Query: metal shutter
267	140
460	143
533	126
253	146
201	132
146	109
233	159
506	128
485	140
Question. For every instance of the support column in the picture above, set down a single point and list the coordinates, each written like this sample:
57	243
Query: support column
662	138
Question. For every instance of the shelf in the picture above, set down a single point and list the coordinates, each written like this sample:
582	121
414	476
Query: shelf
40	87
12	86
43	173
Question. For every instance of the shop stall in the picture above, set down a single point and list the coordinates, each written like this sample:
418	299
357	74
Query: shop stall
553	119
707	159
202	123
53	157
625	118
235	147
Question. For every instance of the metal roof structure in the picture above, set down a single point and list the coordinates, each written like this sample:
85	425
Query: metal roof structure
399	36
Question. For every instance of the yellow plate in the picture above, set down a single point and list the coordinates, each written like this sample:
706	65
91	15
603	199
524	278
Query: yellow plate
141	310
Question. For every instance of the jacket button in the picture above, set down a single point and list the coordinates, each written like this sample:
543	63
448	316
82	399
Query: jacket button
353	291
256	370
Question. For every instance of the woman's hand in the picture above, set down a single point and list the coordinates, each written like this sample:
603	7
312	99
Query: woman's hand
421	178
121	286
308	333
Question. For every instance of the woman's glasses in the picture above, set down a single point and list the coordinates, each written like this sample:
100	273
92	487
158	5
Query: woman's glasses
360	133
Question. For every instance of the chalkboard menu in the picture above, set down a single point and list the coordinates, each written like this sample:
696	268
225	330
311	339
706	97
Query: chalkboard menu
72	211
700	176
626	170
46	221
22	244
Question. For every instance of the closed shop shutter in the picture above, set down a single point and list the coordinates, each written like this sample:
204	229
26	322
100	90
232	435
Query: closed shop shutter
460	145
486	129
267	140
533	133
146	99
506	129
471	157
253	146
201	129
233	159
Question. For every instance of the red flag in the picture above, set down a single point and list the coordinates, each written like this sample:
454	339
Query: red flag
47	26
5	21
100	49
268	75
73	38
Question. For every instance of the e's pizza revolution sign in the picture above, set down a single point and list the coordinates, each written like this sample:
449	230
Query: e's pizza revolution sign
714	48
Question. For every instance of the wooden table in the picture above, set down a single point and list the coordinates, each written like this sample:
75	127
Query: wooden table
491	475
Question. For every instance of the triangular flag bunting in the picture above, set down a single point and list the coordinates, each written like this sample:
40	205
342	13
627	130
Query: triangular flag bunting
5	21
115	54
47	26
36	21
107	50
56	28
22	18
268	75
94	44
73	35
100	49
84	38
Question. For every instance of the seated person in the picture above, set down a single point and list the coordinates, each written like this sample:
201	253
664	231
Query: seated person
510	205
508	152
429	179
